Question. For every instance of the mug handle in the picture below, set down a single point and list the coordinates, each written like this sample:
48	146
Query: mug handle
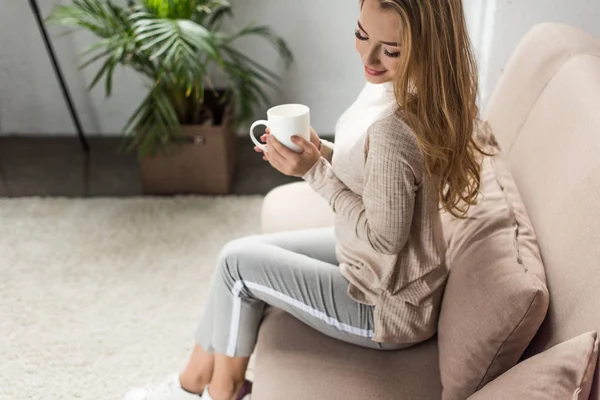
256	142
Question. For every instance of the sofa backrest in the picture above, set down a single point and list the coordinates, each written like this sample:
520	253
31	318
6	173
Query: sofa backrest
545	114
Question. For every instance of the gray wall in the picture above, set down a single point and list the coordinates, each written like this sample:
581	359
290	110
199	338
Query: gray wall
30	98
327	74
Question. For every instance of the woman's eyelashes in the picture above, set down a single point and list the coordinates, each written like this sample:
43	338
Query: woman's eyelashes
359	36
391	55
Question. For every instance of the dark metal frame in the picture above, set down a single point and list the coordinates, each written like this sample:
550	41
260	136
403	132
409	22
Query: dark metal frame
59	76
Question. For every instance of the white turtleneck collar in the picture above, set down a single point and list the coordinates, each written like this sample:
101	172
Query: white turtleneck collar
375	102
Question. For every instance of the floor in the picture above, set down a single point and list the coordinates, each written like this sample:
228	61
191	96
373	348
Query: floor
57	166
89	286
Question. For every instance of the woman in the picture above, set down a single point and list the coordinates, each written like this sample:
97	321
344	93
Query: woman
406	148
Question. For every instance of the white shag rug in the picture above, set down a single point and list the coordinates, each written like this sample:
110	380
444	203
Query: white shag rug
98	296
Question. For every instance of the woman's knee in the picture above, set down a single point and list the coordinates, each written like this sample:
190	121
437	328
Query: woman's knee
236	247
238	255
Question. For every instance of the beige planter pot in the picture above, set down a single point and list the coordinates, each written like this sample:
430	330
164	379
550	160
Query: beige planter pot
204	164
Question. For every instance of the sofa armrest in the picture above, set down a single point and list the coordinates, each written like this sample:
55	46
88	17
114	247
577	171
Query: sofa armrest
295	206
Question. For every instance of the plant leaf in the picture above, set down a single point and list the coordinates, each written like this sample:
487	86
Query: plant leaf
199	37
266	33
109	75
100	73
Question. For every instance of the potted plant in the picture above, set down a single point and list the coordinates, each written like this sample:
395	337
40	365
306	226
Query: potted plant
184	129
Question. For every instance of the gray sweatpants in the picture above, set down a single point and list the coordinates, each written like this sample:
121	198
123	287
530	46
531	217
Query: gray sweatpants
294	271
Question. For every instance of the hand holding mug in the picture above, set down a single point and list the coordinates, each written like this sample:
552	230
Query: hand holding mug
289	162
314	139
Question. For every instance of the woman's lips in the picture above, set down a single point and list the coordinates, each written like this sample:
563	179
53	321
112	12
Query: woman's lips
374	72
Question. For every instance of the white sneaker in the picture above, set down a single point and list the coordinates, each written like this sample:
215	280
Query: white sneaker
167	390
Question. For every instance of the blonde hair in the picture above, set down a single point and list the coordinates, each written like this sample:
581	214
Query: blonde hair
436	88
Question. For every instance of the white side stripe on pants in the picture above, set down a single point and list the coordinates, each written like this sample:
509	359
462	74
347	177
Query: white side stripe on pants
237	305
235	318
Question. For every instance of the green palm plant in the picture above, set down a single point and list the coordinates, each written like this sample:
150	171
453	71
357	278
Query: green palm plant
173	44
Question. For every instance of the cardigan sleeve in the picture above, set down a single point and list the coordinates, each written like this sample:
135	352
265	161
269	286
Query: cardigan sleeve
382	216
327	150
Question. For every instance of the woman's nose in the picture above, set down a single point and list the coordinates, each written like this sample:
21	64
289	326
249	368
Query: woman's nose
371	57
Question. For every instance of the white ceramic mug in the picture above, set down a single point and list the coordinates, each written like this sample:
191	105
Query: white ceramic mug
284	122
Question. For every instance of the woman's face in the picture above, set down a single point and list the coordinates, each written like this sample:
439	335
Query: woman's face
377	41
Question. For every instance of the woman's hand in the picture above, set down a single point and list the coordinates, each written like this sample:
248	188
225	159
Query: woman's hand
314	139
289	162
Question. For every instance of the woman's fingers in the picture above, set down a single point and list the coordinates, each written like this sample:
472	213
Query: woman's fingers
275	148
263	138
283	151
274	157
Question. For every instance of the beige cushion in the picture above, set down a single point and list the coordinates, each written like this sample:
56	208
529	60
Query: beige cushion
295	362
552	147
496	296
564	372
295	206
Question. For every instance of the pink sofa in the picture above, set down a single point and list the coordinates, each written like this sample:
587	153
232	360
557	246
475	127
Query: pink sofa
545	114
